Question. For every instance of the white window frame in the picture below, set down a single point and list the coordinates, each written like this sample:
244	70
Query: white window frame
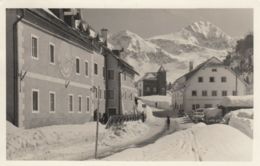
77	73
38	91
81	105
52	44
69	103
52	92
86	61
88	107
34	36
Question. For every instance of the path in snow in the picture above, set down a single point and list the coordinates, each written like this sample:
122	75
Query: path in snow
199	143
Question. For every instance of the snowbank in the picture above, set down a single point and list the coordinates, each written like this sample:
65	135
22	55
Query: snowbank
237	101
200	143
20	140
163	102
242	120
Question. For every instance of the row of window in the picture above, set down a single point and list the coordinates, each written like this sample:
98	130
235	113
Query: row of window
52	102
34	53
212	79
213	93
195	106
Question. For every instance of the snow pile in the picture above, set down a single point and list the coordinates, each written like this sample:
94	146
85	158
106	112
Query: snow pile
147	111
237	101
157	101
20	141
200	143
125	133
242	120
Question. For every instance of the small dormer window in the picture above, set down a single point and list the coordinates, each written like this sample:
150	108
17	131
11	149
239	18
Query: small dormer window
214	70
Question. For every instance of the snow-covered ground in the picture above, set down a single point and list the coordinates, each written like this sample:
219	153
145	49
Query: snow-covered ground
199	143
242	120
76	142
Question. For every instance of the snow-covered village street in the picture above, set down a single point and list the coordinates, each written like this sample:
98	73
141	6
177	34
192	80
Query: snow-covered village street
92	85
184	140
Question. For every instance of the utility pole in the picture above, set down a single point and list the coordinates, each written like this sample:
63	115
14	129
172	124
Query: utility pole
96	145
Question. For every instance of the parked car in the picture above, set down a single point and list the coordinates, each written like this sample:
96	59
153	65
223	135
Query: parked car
212	115
198	115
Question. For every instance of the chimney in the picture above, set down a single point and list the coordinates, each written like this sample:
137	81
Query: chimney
104	33
190	65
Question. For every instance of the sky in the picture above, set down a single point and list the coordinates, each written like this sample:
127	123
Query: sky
152	22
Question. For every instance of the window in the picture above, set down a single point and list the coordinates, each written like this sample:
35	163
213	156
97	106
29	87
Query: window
88	108
214	70
35	100
52	101
193	93
52	56
99	93
110	74
77	66
96	92
234	93
148	89
86	68
208	105
154	89
95	69
224	93
211	79
200	79
104	72
197	106
34	47
80	104
193	106
110	94
223	79
71	103
204	93
214	93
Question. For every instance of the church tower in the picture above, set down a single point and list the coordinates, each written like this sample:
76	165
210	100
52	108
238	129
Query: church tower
161	81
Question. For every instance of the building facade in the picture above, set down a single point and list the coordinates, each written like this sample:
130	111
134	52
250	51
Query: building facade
51	80
205	86
59	70
121	91
152	83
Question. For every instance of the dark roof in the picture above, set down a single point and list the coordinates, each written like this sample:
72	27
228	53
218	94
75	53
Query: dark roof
55	25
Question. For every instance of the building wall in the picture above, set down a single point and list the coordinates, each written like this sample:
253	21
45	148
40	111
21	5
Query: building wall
177	100
11	85
140	88
113	84
128	92
45	77
152	85
219	86
125	95
161	83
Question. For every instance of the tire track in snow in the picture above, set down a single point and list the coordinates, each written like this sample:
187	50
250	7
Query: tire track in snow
195	147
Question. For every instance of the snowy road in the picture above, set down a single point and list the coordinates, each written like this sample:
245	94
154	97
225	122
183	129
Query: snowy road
199	143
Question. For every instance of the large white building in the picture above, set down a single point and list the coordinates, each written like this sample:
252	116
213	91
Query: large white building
206	85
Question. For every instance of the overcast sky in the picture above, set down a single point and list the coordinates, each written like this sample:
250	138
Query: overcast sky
151	22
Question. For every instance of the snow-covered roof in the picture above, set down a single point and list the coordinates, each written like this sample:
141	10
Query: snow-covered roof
213	61
237	101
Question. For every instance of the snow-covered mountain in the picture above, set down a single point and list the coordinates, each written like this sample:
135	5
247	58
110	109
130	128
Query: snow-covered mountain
196	42
195	37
